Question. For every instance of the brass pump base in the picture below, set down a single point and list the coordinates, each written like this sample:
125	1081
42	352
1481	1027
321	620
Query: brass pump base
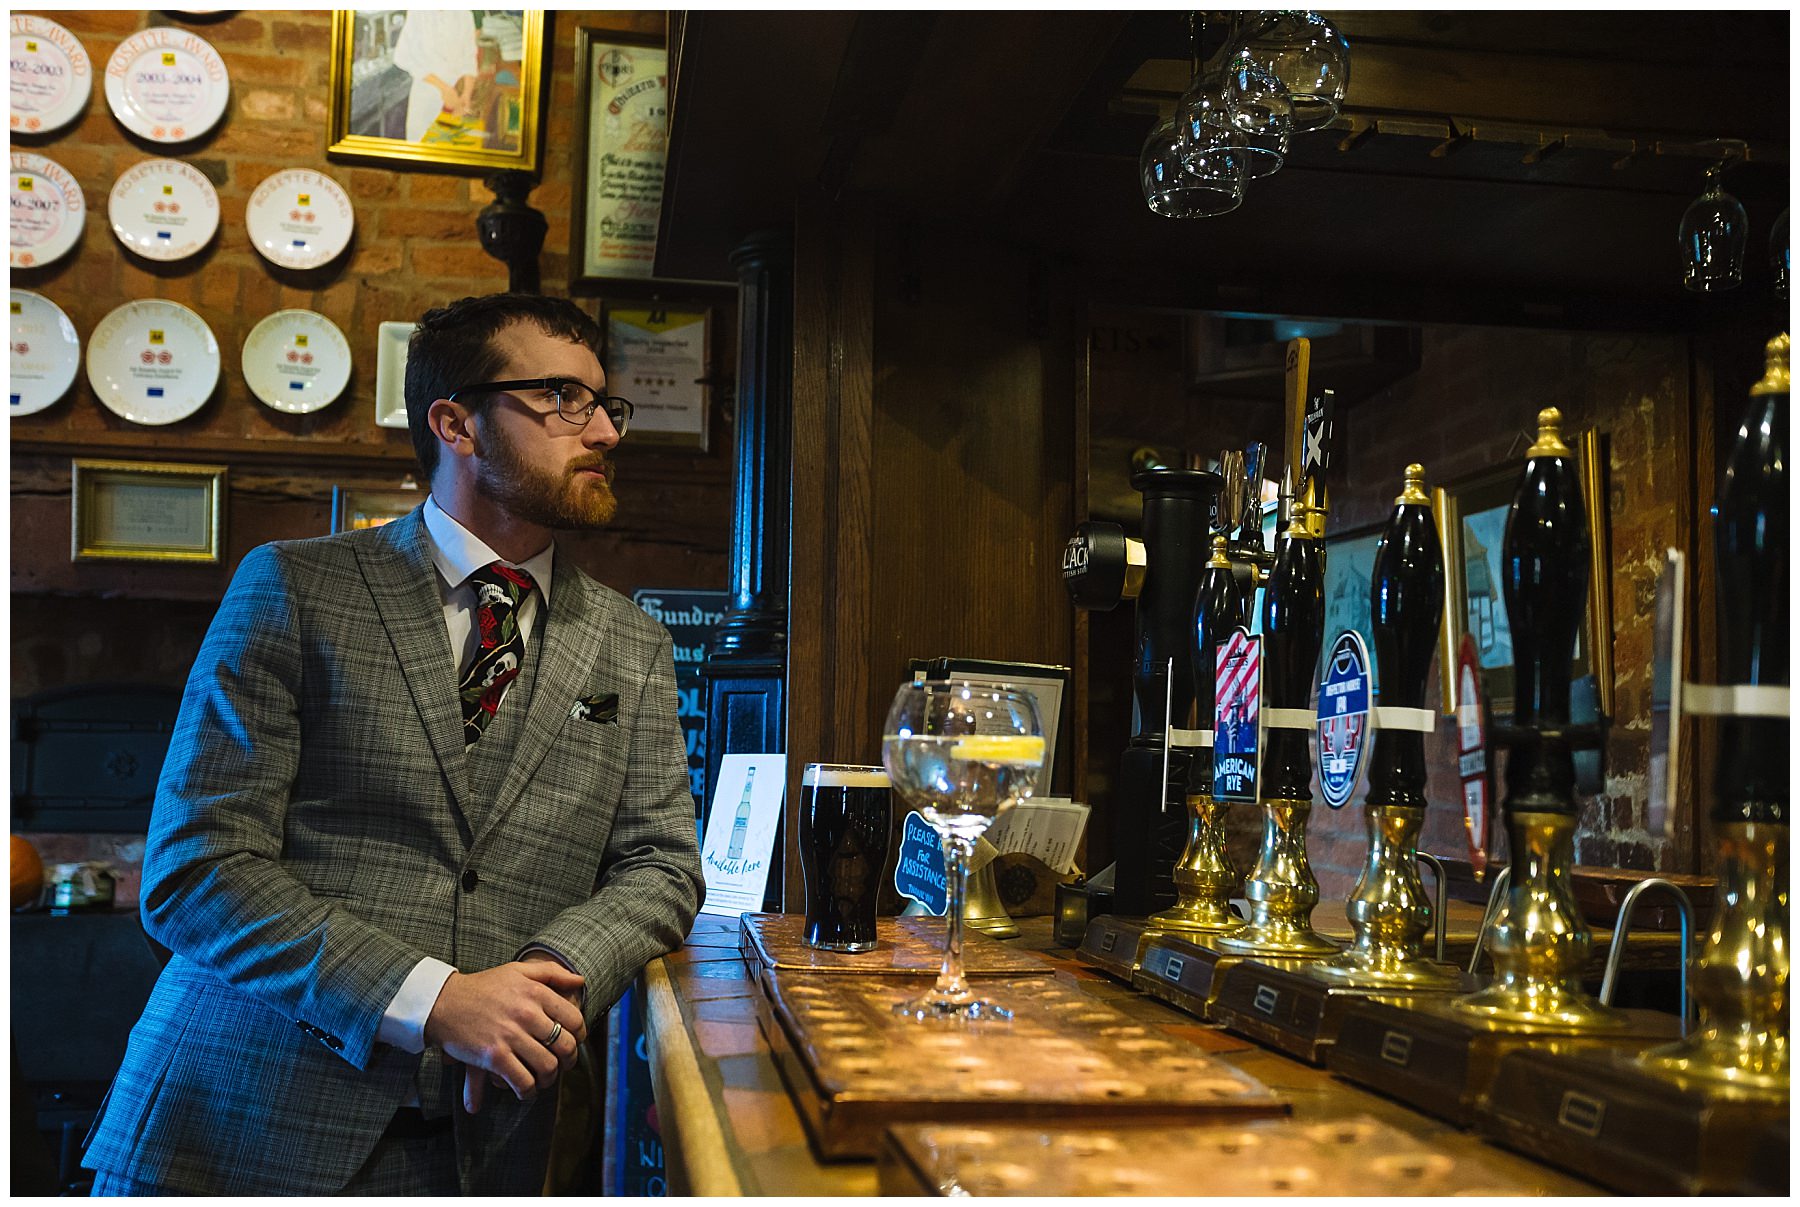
1204	878
1741	975
1282	891
1540	942
1389	913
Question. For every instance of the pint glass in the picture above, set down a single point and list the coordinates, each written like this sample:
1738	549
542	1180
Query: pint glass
845	817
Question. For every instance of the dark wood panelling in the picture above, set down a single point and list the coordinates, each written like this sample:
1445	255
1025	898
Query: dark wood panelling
833	544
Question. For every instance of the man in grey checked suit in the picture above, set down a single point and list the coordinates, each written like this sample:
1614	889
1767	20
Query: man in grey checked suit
423	818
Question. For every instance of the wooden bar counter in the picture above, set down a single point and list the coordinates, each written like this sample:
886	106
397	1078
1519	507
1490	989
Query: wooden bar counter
729	1126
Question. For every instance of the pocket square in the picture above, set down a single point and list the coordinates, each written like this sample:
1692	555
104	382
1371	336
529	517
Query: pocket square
602	710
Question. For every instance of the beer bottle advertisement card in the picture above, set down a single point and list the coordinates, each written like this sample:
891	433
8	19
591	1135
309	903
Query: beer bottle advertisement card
740	835
1236	748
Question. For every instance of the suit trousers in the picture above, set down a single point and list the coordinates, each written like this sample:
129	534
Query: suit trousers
422	1165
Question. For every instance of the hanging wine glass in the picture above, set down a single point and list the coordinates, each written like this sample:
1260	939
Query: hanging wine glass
1258	107
1309	56
1713	234
1208	143
1201	185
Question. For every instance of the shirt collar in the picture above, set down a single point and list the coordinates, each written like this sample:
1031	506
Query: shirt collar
458	553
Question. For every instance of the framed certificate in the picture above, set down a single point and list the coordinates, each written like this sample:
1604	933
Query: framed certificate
622	100
660	358
147	511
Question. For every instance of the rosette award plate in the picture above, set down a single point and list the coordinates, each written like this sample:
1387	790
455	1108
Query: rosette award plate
167	85
153	361
164	209
47	211
51	75
296	361
300	219
45	353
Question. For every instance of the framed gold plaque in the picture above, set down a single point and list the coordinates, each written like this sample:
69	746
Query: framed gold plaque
147	511
353	507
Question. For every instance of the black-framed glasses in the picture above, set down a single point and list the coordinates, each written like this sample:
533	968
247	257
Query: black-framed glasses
576	401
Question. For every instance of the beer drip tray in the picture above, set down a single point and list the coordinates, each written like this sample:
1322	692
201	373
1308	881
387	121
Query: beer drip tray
903	947
854	1068
1237	1157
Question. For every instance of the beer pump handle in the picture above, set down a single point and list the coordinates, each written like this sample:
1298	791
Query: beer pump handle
1407	607
1293	616
1219	609
1751	544
1544	576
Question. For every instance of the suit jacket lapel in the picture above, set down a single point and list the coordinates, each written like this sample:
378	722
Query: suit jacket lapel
572	632
403	583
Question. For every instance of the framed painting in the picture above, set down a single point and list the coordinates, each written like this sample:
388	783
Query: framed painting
1471	517
455	88
1349	573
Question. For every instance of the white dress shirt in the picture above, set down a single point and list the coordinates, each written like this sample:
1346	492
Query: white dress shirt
457	553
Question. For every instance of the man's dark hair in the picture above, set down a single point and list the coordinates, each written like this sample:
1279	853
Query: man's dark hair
453	347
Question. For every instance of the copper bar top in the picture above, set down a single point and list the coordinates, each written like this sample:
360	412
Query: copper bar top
730	1127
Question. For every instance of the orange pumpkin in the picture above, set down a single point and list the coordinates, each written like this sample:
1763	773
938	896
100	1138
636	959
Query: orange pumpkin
27	872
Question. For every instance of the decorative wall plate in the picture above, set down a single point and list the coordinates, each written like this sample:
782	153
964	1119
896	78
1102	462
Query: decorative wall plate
300	218
47	211
45	353
153	361
164	209
391	342
51	75
167	85
296	361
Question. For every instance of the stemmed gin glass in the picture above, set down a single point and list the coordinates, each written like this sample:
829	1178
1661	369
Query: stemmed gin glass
960	753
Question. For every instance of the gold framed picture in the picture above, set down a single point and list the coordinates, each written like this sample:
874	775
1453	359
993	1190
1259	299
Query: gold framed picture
457	88
353	507
146	511
1471	517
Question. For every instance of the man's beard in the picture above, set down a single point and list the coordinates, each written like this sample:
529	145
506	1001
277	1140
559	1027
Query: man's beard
539	496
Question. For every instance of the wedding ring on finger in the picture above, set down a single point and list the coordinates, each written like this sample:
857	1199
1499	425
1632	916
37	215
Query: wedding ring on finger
555	1034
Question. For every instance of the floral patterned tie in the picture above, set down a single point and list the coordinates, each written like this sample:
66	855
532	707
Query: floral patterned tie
499	588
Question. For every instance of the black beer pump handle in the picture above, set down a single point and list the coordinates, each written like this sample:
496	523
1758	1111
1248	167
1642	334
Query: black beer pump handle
1751	542
1293	630
1407	606
1219	610
1544	576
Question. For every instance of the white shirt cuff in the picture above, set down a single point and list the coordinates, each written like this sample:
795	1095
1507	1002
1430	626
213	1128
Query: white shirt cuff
403	1023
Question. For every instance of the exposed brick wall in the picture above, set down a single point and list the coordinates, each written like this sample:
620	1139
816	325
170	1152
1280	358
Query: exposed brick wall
1471	406
415	246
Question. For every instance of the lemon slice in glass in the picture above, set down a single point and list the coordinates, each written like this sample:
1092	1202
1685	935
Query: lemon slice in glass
1020	748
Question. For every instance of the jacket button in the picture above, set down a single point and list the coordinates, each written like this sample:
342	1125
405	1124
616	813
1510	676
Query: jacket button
470	880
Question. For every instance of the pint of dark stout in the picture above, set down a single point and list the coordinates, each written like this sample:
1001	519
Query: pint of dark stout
845	817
